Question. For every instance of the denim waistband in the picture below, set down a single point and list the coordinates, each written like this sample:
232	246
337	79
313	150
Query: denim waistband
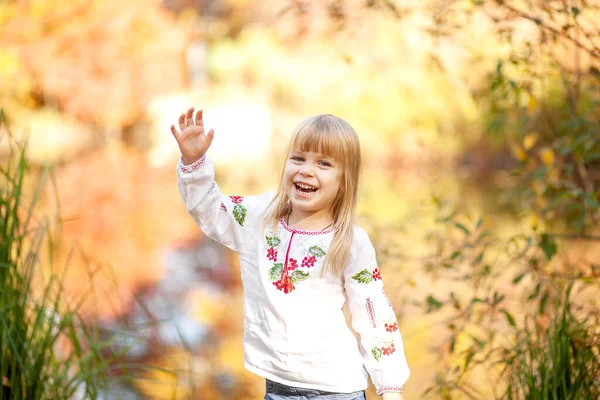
284	390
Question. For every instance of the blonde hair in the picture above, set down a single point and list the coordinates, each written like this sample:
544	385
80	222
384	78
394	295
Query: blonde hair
334	137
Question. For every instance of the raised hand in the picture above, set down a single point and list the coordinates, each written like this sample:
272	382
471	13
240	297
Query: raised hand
191	139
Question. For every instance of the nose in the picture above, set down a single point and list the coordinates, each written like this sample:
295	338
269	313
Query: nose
307	170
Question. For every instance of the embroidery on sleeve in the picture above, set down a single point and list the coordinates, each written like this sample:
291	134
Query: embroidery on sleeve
192	167
391	326
213	188
387	349
365	276
239	211
383	389
223	207
371	312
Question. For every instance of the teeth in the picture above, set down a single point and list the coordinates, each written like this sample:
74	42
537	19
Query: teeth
300	185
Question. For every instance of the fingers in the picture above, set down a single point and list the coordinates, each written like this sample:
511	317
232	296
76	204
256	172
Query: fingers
189	117
199	120
210	136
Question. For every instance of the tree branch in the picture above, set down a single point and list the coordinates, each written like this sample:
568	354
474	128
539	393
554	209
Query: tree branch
594	52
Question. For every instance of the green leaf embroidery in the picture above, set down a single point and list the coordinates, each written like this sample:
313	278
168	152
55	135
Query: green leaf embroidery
299	276
363	276
316	251
239	213
272	241
275	272
376	351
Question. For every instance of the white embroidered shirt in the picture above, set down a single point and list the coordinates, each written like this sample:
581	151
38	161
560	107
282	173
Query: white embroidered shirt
294	327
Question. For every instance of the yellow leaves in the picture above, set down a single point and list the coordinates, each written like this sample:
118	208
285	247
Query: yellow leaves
547	156
531	105
519	153
520	150
530	140
534	220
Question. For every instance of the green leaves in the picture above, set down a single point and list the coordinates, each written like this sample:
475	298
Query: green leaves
299	276
275	272
433	304
272	241
509	317
548	246
239	213
316	251
377	353
363	276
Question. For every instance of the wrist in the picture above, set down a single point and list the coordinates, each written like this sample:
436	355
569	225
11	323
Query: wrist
190	160
392	396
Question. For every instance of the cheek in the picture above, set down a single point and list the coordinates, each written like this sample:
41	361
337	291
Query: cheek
288	174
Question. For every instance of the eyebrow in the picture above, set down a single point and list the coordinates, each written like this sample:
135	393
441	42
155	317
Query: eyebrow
319	155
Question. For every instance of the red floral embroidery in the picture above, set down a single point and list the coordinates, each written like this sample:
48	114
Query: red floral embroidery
236	199
388	350
272	254
285	284
223	207
376	275
308	262
393	327
285	275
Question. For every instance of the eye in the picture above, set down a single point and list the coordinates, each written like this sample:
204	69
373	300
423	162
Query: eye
297	158
325	163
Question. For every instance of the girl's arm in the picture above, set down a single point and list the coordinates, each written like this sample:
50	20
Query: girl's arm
373	318
226	219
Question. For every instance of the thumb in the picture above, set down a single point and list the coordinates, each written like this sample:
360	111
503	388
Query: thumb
174	132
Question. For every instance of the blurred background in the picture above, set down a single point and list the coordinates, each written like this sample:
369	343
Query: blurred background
480	128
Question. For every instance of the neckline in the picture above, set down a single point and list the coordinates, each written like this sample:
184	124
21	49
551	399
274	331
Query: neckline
301	232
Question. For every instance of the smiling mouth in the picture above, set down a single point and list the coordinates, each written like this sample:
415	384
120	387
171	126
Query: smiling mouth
305	189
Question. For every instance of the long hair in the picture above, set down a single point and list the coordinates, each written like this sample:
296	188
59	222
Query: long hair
334	137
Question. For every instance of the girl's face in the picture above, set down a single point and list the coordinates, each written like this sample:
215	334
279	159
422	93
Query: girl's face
311	181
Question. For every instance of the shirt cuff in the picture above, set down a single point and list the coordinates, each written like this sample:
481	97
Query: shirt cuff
384	389
192	167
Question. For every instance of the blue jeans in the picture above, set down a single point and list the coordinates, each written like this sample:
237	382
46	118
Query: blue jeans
278	391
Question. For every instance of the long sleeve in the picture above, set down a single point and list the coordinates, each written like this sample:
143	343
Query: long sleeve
373	318
226	219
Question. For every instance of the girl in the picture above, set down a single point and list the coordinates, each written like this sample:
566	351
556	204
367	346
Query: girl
301	258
